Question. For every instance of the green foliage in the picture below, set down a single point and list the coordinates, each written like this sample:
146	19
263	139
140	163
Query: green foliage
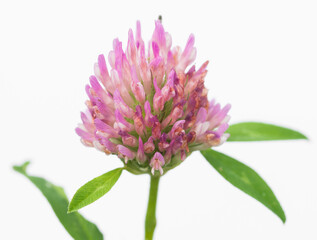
75	224
246	179
129	120
168	106
151	96
94	189
150	219
253	131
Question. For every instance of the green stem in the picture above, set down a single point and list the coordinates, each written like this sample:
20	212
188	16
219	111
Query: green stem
150	220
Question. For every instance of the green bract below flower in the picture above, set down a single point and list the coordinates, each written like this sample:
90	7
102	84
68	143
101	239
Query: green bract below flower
152	111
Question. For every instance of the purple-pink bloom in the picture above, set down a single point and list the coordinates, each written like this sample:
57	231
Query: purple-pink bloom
157	162
141	157
149	146
125	153
150	105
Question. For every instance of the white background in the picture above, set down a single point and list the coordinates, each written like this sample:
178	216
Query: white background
263	58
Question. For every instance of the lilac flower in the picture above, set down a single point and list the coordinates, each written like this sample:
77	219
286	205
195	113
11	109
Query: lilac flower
151	105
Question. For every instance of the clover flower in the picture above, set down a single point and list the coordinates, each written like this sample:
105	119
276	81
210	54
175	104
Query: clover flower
151	107
151	110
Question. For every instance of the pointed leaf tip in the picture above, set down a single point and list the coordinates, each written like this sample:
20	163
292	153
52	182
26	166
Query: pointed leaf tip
75	224
94	189
246	179
21	168
256	131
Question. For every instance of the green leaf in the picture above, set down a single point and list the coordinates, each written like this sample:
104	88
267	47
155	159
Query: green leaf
94	189
254	131
244	178
75	224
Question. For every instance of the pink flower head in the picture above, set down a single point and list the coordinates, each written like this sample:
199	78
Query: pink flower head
139	124
149	145
158	100
149	105
125	153
157	162
141	157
